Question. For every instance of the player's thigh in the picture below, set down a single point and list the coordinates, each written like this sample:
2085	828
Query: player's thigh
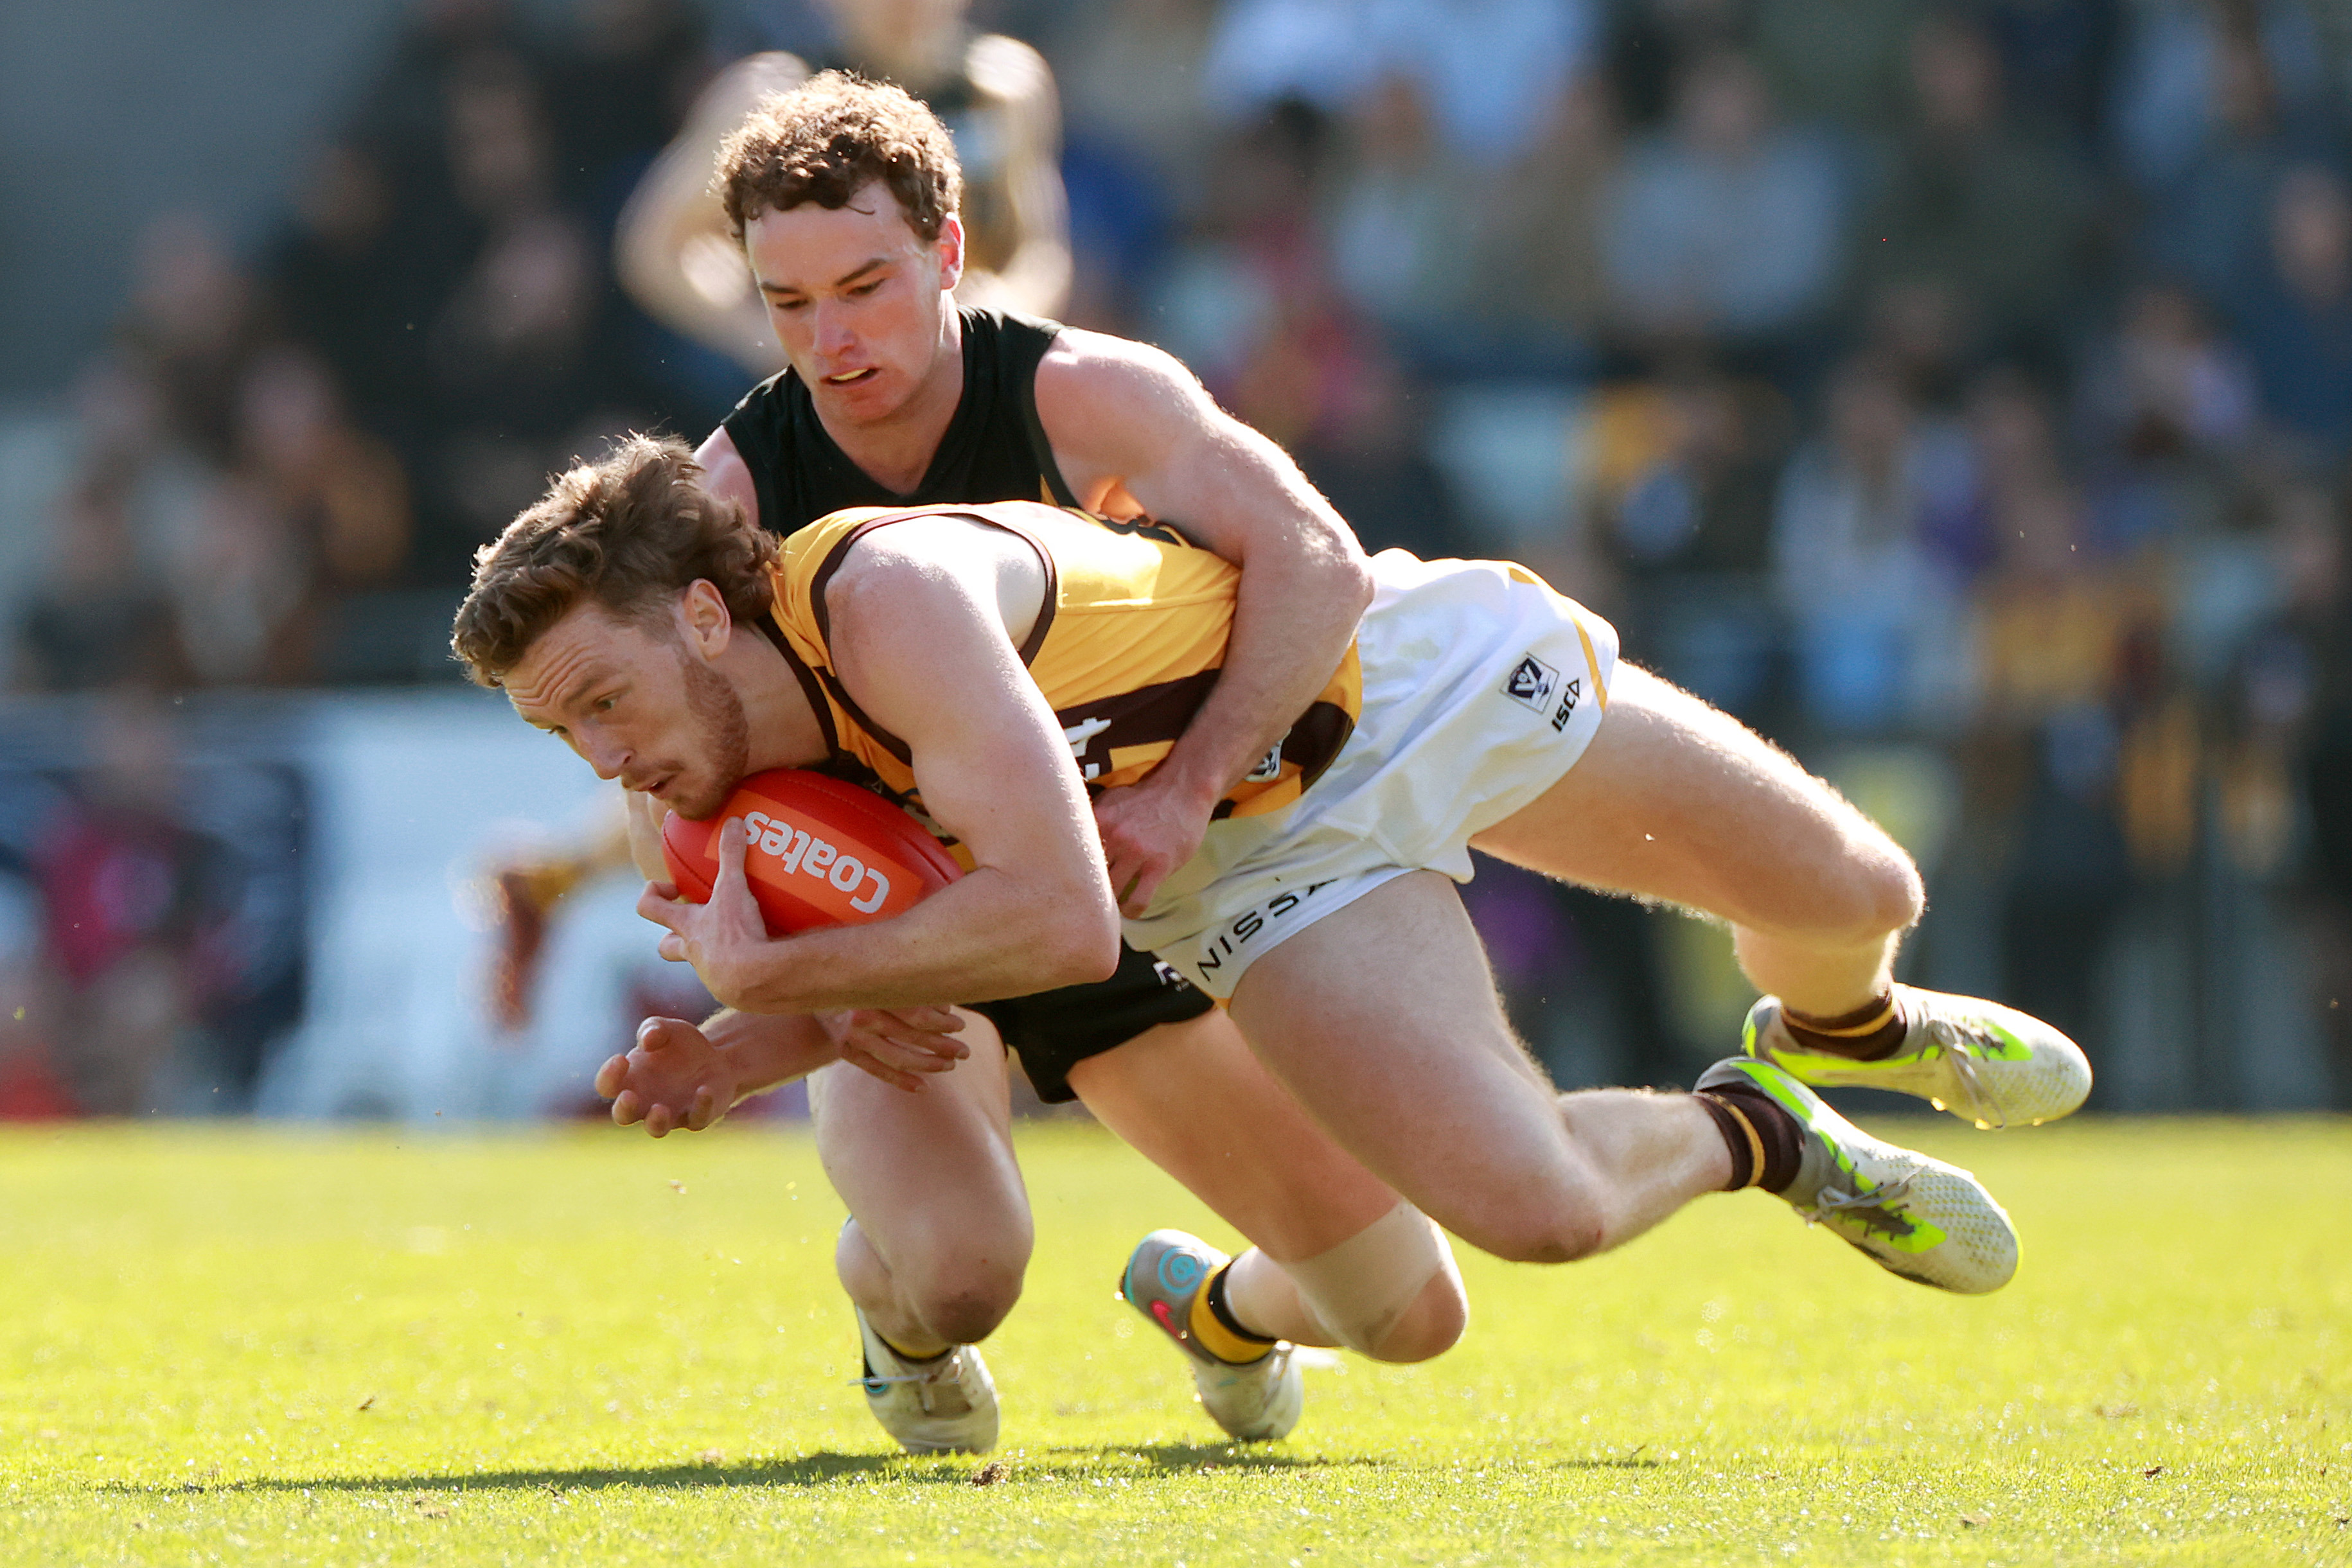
1678	801
1192	1099
929	1175
1382	1019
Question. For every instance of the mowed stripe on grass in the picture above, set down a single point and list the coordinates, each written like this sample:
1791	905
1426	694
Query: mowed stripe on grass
242	1344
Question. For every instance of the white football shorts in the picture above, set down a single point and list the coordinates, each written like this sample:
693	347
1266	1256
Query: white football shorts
1482	687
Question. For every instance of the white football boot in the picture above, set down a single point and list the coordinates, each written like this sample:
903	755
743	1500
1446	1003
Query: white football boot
1912	1216
1981	1062
945	1405
1255	1401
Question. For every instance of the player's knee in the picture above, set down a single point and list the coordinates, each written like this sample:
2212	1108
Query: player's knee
1868	888
1431	1326
1539	1226
1391	1291
966	1307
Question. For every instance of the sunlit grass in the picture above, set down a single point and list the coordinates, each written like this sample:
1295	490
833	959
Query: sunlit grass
577	1346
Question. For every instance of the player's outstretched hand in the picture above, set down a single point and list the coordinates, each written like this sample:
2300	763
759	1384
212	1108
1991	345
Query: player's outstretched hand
722	938
673	1078
900	1046
1146	832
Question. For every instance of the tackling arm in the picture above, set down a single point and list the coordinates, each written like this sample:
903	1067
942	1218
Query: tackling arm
1137	431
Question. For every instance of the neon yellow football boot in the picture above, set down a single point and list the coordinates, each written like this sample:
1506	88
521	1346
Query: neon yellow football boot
1917	1217
1981	1062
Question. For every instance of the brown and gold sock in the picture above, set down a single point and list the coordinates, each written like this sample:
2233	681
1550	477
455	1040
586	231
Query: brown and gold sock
1872	1032
1214	1328
1766	1144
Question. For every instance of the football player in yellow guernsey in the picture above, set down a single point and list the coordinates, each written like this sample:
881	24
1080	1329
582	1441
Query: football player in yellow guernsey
841	198
989	665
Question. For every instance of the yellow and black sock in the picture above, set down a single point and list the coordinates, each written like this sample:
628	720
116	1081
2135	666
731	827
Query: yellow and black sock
1214	1328
913	1360
1872	1032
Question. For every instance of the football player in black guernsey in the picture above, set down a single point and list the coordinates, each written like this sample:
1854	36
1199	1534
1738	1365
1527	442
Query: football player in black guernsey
844	196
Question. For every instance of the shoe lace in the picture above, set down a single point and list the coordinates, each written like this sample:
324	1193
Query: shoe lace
949	1370
1961	1045
1881	1208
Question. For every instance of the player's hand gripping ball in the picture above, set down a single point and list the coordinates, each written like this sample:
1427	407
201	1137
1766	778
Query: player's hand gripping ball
820	853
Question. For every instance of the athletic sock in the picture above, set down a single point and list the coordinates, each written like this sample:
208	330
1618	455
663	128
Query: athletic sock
1215	1329
1766	1144
914	1360
1872	1032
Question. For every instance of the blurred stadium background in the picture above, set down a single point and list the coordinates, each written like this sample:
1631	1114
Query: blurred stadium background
1961	393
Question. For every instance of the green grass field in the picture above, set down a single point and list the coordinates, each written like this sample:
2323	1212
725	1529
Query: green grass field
577	1346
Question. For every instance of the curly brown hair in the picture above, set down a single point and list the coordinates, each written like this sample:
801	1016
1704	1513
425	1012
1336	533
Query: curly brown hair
629	533
825	140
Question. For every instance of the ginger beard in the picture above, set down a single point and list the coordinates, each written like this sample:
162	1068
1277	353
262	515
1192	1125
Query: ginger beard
716	719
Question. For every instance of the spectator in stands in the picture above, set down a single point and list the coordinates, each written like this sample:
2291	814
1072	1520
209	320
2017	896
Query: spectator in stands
1534	276
2167	408
1727	226
1135	158
343	491
191	326
2060	621
123	889
1843	63
102	620
1873	537
2057	58
1980	204
1685	470
2194	77
1367	456
2224	110
1401	214
2293	310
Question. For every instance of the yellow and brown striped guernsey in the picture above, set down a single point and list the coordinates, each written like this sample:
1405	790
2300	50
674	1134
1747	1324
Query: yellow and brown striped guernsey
1127	649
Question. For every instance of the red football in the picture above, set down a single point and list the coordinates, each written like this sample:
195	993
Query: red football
821	853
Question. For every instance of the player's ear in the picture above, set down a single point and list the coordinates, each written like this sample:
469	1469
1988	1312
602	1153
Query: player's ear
704	617
950	251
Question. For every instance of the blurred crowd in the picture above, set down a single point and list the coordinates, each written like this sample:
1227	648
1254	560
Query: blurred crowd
1959	392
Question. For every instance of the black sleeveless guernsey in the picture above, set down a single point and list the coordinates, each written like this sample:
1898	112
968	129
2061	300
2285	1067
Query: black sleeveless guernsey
995	450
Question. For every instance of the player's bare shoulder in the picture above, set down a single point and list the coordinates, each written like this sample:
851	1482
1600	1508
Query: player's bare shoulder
724	474
900	582
1112	406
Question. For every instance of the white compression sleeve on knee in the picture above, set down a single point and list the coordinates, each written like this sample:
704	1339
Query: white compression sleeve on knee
1359	1289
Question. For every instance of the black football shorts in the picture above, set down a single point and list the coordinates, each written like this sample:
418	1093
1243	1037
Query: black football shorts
1052	1032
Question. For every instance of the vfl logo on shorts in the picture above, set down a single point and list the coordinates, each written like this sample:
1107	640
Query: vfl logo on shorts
1533	684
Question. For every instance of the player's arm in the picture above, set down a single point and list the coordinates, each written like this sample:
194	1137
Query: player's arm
1134	430
724	474
679	1075
671	248
918	633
